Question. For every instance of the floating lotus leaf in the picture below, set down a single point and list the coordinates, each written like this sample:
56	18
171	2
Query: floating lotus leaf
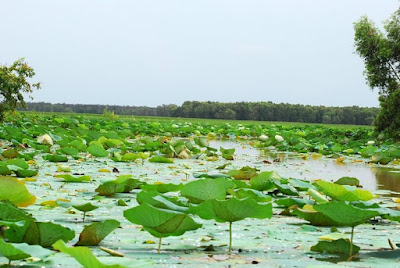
70	178
340	246
160	159
97	150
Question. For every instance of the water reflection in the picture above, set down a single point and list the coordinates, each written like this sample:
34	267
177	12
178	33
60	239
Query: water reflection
387	178
292	165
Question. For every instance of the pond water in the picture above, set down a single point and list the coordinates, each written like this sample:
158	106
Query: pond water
378	178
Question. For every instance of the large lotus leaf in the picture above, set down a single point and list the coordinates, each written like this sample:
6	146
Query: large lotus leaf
340	246
160	159
251	193
161	222
70	178
128	183
343	193
9	212
94	233
232	210
264	181
245	173
162	187
83	255
346	214
285	188
15	191
202	190
316	218
11	252
97	150
46	233
160	201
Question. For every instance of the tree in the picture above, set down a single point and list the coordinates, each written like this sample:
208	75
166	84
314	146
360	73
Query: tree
381	54
14	84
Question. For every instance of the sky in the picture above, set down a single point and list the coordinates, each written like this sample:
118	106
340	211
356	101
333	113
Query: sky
152	52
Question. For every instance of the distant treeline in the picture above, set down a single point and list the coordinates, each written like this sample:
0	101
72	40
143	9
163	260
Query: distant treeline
258	111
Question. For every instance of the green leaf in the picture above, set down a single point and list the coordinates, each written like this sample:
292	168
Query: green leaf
9	211
343	193
162	187
15	191
348	181
19	162
24	173
160	159
251	193
97	150
70	151
288	202
55	158
161	222
85	207
319	198
159	201
94	233
202	190
245	173
83	255
70	178
264	181
341	246
345	214
11	252
232	210
46	233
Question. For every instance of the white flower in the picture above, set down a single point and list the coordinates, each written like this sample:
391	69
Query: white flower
263	137
371	142
45	139
279	138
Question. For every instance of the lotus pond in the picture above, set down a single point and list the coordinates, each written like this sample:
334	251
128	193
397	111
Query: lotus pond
78	191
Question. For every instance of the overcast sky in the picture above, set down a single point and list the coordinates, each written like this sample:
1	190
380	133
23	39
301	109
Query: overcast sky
168	51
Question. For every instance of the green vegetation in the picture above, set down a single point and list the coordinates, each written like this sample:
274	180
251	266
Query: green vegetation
166	178
381	54
14	84
256	111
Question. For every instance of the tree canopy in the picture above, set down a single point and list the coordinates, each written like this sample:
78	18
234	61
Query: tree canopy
14	83
381	54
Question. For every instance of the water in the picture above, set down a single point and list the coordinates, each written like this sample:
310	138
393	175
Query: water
378	178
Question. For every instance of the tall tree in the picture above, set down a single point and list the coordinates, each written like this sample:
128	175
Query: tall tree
14	84
381	54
